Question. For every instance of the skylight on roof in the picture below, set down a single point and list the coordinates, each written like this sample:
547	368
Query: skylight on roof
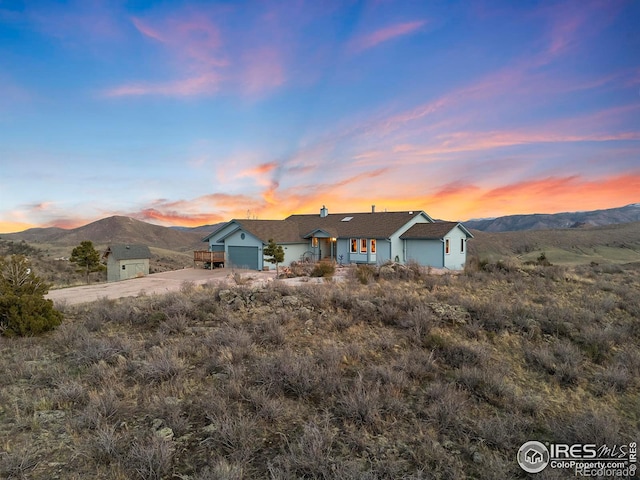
346	219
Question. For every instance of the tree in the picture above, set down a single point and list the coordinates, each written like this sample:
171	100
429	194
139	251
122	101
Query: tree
87	257
23	308
274	254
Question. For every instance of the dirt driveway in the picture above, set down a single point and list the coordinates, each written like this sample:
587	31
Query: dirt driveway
156	283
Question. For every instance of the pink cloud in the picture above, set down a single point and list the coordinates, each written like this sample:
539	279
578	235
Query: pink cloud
262	70
207	83
364	42
206	59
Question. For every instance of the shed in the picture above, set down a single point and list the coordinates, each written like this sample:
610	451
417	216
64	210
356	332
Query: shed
127	261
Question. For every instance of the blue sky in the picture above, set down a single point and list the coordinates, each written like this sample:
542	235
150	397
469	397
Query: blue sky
188	113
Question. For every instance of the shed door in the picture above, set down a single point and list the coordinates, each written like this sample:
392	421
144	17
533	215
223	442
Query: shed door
244	257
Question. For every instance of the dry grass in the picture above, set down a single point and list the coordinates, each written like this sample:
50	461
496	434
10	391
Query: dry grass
386	375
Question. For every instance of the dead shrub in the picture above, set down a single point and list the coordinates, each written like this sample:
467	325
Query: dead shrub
486	385
236	437
310	456
71	392
361	404
613	379
364	273
104	446
161	365
174	324
17	464
561	360
150	458
90	350
270	332
445	402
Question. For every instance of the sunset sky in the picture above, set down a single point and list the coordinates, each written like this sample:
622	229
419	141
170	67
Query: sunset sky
191	113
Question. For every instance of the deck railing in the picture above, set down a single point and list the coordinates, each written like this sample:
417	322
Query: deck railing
210	259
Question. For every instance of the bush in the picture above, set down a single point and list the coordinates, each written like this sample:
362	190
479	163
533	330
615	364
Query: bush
324	269
27	315
23	308
365	273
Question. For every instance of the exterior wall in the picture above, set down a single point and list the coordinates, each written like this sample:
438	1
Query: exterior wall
384	251
113	269
213	241
292	253
235	239
133	268
397	244
425	252
342	248
455	260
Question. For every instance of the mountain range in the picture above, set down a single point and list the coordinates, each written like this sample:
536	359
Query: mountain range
116	229
543	221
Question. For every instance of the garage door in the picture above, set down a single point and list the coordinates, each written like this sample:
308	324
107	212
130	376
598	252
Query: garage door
244	257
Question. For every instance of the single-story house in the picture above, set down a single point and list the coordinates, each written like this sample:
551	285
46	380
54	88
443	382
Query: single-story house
372	237
127	261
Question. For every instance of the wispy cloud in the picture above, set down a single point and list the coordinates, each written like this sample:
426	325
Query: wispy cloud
204	84
206	58
370	40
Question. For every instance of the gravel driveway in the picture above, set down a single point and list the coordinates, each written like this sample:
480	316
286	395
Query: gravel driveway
156	283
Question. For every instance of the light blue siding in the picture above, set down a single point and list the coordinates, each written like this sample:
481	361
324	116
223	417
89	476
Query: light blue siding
397	244
235	239
456	259
425	252
384	251
293	252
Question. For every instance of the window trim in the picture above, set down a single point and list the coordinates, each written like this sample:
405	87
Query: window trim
447	246
363	245
372	245
354	245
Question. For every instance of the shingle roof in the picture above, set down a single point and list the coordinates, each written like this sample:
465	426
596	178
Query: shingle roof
295	228
281	231
433	231
128	252
371	225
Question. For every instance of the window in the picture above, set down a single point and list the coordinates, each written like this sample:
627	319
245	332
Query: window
462	245
354	245
314	242
447	248
363	245
373	245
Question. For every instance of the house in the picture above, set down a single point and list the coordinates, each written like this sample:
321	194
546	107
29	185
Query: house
127	261
533	456
371	237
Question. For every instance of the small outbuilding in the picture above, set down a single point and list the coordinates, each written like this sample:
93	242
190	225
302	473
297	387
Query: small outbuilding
127	261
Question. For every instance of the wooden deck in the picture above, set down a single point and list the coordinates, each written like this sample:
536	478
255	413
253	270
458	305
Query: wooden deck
209	259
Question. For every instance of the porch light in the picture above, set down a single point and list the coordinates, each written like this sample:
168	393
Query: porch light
333	239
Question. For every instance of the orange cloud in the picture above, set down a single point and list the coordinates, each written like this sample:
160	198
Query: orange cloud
262	169
370	40
171	218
